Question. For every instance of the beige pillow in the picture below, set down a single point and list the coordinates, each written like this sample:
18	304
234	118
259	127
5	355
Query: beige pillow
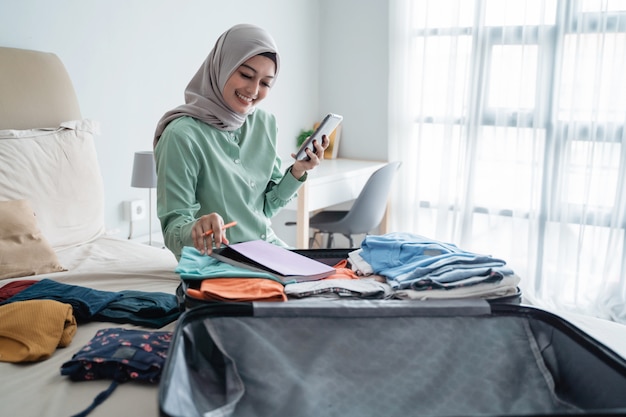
24	251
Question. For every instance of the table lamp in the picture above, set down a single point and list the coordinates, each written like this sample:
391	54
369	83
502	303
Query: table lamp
144	176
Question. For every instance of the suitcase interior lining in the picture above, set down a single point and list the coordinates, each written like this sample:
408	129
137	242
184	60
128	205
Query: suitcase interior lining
391	366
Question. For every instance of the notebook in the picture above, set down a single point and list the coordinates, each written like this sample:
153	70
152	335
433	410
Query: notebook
284	264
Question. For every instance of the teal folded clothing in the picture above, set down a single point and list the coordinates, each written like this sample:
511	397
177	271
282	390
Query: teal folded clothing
86	302
152	309
144	308
195	266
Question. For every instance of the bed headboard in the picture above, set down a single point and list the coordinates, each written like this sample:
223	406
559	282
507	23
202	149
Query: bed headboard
47	150
35	90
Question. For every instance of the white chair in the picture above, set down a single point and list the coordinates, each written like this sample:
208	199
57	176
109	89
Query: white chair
366	212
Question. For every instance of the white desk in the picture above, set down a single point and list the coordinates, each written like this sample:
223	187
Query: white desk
334	181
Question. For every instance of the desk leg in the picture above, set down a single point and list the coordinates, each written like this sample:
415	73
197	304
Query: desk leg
302	218
384	224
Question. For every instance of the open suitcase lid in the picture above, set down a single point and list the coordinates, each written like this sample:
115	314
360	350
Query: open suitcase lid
386	357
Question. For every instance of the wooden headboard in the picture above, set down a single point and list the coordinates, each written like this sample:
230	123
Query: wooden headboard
35	90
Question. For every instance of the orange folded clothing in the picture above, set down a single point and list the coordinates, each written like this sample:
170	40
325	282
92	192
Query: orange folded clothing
342	271
31	330
239	289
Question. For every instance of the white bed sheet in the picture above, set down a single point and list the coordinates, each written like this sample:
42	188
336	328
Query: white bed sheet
108	264
609	333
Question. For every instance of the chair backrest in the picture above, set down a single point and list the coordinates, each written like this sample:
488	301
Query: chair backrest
368	209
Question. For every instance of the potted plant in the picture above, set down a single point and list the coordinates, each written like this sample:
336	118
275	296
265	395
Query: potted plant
302	136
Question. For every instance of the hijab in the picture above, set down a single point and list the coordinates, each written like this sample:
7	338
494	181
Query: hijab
203	95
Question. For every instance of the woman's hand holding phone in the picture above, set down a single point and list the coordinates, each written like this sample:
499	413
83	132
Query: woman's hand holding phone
326	128
311	152
300	166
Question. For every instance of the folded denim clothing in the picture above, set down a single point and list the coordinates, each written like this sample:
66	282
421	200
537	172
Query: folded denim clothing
407	260
31	330
502	288
85	301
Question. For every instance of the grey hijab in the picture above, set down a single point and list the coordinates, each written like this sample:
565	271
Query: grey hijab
203	95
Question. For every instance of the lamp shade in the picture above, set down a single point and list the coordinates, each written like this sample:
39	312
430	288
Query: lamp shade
144	170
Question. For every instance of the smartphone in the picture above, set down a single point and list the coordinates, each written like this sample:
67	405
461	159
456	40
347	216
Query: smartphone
326	127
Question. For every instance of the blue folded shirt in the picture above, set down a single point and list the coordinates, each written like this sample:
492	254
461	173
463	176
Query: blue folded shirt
406	259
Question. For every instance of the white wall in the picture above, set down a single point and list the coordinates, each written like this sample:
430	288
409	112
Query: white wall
354	73
131	60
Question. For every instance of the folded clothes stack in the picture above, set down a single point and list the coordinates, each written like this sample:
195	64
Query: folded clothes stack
417	267
210	279
390	266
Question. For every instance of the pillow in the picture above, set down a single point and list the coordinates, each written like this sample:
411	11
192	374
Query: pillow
24	251
57	171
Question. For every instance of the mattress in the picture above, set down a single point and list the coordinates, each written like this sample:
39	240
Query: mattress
108	264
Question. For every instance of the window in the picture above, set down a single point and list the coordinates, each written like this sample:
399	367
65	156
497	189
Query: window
513	137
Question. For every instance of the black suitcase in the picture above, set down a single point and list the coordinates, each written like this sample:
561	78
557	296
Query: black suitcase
386	358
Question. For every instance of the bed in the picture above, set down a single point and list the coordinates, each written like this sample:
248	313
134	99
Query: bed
48	159
49	166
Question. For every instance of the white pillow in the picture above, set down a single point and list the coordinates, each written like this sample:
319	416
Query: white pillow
58	172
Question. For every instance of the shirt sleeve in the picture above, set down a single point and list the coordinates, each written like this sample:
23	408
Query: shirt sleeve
177	207
281	190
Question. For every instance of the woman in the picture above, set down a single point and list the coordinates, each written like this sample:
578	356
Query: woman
216	155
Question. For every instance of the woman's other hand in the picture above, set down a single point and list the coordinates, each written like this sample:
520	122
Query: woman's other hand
207	232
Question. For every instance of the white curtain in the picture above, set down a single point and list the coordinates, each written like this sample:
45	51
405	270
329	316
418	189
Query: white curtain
509	117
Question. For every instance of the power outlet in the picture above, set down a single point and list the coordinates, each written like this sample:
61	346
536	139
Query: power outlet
137	210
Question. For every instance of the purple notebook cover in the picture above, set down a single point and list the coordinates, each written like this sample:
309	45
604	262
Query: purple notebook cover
280	259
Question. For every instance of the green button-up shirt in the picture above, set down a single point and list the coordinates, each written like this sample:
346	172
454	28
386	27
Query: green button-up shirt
238	174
